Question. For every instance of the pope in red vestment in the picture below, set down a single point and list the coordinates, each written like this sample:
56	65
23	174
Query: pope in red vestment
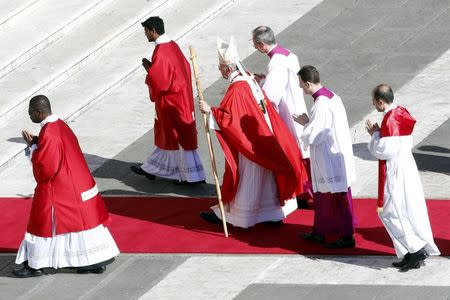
243	129
263	166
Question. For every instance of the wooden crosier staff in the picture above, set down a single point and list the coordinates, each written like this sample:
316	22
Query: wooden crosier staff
208	139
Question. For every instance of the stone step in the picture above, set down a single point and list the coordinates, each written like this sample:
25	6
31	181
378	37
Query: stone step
120	119
67	56
33	26
111	69
10	9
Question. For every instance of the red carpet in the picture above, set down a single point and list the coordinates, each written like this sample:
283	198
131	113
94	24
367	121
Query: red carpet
172	225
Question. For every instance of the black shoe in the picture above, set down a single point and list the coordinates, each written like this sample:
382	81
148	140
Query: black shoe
302	203
25	271
414	260
410	266
273	223
210	217
344	242
399	264
139	171
312	236
183	182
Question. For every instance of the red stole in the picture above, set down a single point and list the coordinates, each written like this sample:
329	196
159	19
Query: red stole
396	122
244	130
170	87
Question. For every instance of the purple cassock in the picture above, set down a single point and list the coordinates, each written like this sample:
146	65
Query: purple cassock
333	212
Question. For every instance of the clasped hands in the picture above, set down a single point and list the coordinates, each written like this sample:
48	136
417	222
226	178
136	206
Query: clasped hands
146	63
302	119
29	138
372	127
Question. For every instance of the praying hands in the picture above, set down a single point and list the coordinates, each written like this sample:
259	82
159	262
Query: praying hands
372	127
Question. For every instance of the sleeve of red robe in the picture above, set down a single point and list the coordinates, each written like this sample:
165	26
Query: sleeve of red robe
46	158
159	76
170	87
243	129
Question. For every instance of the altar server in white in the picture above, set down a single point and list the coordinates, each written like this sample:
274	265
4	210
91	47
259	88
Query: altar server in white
401	202
327	134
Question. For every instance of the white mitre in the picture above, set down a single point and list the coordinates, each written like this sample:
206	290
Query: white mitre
228	53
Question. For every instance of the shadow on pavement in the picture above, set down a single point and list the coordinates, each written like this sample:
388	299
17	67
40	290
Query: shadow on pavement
7	263
360	150
114	177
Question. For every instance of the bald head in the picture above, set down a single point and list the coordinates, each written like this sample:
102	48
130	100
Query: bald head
39	108
383	92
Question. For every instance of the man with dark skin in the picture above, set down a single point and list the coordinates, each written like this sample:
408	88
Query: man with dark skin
67	222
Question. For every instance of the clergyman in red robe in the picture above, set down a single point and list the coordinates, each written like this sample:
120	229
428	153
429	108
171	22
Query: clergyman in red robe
263	167
67	223
170	88
401	203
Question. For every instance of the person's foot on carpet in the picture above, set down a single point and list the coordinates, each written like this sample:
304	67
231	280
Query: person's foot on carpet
139	171
312	236
184	182
210	217
25	271
302	203
343	242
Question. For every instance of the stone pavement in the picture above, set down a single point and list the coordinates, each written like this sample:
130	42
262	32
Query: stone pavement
355	45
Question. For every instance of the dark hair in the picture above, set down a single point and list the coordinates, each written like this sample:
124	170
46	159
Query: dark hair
154	23
384	93
309	73
41	102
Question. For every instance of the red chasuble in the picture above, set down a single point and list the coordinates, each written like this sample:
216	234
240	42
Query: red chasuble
243	129
64	183
397	122
170	87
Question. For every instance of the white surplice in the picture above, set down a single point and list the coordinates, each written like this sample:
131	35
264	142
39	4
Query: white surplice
281	86
178	164
256	198
405	214
327	135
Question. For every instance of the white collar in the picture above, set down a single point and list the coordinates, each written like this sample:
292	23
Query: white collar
390	107
163	38
233	76
49	119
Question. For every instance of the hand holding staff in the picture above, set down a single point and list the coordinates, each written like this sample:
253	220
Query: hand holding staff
205	108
